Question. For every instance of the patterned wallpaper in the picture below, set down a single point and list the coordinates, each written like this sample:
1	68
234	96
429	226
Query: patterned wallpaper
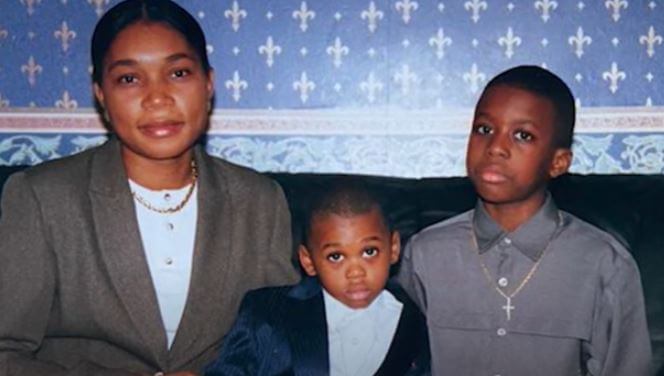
383	86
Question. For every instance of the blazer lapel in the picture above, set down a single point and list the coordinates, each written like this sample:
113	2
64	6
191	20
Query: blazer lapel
207	299
307	330
121	247
408	340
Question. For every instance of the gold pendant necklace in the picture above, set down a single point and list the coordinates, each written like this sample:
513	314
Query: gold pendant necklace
508	307
174	209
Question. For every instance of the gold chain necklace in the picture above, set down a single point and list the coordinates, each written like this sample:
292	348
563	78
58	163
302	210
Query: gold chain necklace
174	209
508	307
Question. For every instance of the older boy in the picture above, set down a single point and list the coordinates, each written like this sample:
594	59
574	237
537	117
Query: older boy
353	325
516	286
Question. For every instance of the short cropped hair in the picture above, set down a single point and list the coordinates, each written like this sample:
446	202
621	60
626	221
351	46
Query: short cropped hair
545	84
345	196
128	12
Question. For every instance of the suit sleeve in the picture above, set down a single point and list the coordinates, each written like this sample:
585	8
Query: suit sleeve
620	344
239	352
28	285
281	243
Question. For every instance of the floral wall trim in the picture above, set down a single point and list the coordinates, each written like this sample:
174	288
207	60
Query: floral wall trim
408	144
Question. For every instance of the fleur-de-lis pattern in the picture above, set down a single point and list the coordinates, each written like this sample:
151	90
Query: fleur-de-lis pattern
30	5
360	55
235	14
434	38
372	15
650	40
270	49
64	34
578	41
236	85
613	76
98	5
406	8
615	7
66	102
304	86
475	7
31	69
509	41
474	77
4	103
371	86
546	7
440	41
304	15
337	51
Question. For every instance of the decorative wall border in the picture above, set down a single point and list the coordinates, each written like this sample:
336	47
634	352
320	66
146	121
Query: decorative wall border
334	122
408	144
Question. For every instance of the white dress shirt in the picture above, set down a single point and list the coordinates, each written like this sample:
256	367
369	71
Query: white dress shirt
168	242
360	338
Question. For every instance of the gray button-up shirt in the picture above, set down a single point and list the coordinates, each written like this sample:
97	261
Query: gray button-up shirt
575	302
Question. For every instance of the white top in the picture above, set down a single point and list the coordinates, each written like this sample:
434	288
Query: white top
168	242
360	338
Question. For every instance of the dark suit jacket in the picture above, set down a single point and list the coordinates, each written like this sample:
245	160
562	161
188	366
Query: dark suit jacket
76	296
283	331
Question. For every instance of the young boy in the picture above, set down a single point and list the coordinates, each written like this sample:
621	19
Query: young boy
516	286
354	324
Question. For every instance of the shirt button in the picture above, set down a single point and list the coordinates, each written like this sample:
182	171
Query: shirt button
502	282
168	261
501	332
167	197
507	241
170	226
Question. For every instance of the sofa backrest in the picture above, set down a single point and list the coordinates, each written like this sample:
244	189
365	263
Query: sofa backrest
631	207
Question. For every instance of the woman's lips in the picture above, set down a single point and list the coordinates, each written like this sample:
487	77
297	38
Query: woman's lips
161	129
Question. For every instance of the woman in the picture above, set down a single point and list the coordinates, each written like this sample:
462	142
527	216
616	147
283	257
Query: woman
132	258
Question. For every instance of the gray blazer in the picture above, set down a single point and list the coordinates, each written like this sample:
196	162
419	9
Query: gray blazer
76	297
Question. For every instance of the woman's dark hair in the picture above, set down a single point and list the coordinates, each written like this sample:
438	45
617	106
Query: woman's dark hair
129	12
545	84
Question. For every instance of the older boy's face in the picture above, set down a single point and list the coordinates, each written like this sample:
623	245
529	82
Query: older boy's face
511	153
351	255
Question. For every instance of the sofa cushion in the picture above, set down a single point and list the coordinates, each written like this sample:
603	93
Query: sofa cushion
631	207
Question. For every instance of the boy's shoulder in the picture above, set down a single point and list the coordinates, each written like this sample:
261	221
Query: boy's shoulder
268	292
446	230
265	299
593	240
273	299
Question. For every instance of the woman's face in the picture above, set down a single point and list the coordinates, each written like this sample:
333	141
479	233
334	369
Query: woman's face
155	91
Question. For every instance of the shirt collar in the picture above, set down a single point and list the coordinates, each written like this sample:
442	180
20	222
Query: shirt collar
531	238
338	314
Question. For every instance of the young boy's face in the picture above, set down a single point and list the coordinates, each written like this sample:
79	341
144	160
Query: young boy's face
511	151
351	255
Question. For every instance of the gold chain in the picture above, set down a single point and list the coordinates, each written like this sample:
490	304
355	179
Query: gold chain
525	280
180	205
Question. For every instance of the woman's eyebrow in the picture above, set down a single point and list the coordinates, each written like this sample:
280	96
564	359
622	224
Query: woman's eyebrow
133	62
